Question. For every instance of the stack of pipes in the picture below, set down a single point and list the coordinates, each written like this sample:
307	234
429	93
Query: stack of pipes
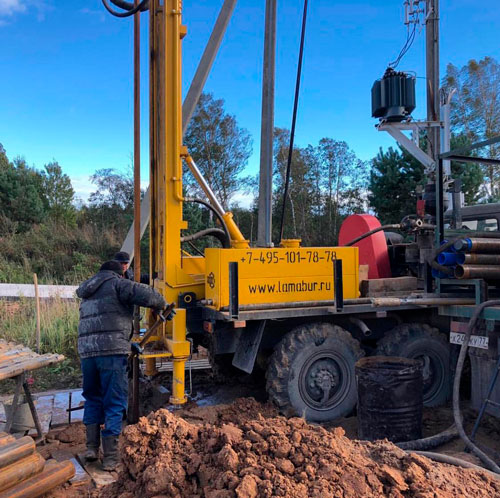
477	258
24	473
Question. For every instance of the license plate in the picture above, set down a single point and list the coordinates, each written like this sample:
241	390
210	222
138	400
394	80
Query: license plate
475	341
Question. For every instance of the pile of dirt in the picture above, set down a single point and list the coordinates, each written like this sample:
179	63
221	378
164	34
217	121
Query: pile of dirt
164	455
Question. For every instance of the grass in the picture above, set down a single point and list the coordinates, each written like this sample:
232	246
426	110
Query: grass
59	331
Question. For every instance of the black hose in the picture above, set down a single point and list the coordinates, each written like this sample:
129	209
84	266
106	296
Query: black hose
456	387
427	443
217	214
214	232
129	12
294	119
122	4
371	232
458	462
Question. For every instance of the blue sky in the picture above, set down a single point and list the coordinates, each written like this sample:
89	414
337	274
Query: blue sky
66	72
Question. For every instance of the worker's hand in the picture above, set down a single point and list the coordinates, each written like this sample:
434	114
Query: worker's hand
136	349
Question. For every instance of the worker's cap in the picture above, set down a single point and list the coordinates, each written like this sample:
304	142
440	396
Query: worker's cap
114	266
122	257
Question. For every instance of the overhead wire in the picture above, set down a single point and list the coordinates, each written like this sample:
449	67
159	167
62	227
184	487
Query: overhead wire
294	118
410	38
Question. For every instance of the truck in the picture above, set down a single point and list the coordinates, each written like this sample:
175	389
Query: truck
300	316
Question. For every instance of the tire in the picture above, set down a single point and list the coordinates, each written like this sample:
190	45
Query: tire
415	340
309	361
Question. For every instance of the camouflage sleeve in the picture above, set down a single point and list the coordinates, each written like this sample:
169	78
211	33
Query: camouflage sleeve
132	293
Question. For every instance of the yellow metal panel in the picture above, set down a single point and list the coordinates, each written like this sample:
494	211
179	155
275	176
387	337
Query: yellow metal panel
281	274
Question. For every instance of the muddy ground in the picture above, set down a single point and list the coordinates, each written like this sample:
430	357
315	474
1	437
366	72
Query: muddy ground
242	404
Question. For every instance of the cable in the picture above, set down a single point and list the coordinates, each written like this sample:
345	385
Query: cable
127	13
294	118
371	232
217	214
410	38
456	387
214	232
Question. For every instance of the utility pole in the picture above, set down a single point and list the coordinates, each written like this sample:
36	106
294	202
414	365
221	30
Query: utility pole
432	73
264	227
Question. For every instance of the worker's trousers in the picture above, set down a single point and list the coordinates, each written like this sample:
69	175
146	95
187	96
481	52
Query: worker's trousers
105	389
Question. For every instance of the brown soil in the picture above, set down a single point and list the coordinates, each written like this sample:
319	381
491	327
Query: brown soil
243	453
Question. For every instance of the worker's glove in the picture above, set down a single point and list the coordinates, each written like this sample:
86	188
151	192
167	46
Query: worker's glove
136	349
170	315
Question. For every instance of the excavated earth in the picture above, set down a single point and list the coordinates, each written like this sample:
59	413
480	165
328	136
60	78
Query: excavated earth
246	450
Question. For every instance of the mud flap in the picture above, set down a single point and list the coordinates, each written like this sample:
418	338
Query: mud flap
248	346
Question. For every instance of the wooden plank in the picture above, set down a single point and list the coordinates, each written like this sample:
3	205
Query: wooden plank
44	407
19	368
59	413
387	286
99	476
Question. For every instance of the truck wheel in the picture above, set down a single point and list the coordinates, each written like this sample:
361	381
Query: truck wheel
311	372
420	341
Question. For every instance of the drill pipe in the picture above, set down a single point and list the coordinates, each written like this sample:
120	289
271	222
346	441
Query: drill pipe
478	259
491	246
39	484
488	272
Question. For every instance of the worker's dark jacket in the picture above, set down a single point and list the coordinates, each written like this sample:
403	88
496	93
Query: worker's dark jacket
129	274
106	313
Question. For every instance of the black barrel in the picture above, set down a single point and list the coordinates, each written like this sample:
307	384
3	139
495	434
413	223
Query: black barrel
390	398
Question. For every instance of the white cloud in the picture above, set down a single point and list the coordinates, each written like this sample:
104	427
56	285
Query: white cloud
10	7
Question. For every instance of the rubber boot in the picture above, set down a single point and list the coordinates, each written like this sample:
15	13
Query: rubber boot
110	453
93	442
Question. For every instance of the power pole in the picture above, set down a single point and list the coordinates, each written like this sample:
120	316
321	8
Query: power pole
264	227
432	73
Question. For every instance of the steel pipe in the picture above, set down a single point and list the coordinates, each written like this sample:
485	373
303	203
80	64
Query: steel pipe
478	259
21	470
491	246
488	272
12	452
426	301
297	304
38	485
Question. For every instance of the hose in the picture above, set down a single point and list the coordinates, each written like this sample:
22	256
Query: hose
217	214
490	464
371	232
427	443
214	232
128	12
123	4
439	457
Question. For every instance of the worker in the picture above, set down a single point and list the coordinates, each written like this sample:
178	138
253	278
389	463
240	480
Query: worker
104	334
124	259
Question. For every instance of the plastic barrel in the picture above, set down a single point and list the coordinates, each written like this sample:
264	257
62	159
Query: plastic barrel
390	398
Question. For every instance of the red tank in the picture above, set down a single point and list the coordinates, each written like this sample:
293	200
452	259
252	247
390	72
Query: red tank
373	249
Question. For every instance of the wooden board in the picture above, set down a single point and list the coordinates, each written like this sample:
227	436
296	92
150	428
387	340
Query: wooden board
388	286
59	413
94	469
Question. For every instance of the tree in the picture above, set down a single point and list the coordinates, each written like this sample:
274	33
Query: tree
475	110
59	193
394	177
470	174
219	147
112	204
21	197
